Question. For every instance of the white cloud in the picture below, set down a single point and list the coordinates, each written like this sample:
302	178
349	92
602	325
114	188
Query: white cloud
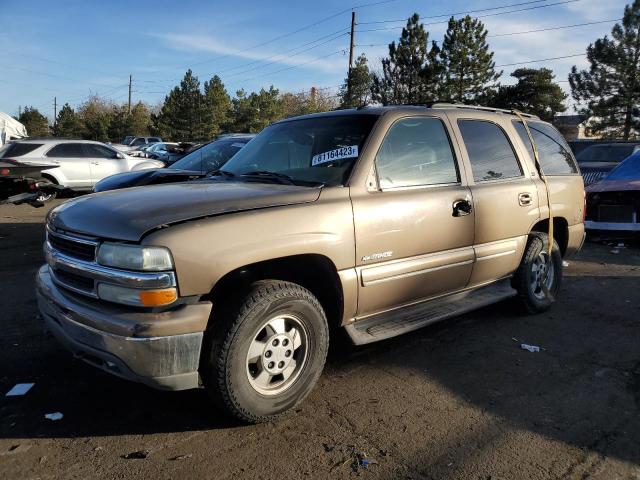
208	44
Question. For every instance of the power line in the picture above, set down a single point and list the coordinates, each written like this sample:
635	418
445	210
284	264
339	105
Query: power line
553	28
521	32
458	13
542	60
479	16
289	34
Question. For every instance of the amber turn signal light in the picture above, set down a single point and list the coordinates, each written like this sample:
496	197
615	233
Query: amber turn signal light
155	298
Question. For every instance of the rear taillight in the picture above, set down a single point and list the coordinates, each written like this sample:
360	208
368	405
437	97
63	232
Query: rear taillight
5	172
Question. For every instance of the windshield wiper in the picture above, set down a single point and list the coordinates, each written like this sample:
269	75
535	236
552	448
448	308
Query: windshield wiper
221	173
271	175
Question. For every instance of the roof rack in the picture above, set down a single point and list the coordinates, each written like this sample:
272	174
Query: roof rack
462	106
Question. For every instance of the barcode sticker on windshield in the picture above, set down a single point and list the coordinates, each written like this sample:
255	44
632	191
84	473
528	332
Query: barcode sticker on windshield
337	154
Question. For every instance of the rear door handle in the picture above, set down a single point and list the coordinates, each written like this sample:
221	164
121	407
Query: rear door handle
524	199
462	208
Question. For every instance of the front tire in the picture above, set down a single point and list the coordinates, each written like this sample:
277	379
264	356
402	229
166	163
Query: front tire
535	294
264	353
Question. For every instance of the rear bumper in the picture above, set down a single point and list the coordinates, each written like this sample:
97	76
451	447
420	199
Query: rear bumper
576	238
126	343
615	226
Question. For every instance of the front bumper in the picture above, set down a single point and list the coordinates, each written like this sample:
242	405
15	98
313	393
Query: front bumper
161	350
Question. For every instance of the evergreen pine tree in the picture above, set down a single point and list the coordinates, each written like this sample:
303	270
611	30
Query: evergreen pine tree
217	107
183	114
253	112
356	89
36	124
609	91
536	92
68	124
410	72
469	73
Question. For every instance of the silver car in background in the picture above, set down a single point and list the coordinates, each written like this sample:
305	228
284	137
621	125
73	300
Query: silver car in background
77	164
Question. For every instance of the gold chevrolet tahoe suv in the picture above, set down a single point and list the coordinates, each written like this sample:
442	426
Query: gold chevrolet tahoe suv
376	220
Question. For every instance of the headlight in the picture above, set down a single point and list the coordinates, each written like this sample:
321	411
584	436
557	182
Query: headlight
134	257
137	297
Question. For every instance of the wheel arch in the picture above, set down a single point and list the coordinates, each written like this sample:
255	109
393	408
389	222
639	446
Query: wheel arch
51	178
315	272
560	231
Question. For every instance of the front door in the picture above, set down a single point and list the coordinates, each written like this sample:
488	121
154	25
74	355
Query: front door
414	234
103	161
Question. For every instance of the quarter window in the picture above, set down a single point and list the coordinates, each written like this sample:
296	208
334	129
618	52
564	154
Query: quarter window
416	151
555	154
67	150
490	152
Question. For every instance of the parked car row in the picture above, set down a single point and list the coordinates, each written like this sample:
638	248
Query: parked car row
80	165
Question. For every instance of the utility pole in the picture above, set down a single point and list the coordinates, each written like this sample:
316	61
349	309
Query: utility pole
55	111
351	48
129	108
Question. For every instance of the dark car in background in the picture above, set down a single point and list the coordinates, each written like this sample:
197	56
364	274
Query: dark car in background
614	203
197	164
597	160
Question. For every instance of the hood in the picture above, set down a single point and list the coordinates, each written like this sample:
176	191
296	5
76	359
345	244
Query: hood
614	186
138	178
130	214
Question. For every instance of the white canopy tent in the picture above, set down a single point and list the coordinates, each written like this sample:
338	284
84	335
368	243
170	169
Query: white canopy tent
10	129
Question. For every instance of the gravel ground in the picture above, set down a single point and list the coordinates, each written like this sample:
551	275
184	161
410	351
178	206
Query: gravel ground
457	400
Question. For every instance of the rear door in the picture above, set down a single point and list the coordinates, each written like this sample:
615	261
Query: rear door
103	161
414	233
70	157
504	195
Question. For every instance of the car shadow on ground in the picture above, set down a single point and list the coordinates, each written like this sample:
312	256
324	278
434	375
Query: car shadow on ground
582	388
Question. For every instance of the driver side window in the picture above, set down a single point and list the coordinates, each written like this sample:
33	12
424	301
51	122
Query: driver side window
416	151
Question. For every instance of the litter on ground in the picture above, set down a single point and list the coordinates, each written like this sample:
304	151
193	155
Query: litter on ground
54	416
19	389
530	348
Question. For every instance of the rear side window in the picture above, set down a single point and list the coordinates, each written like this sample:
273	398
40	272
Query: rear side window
416	151
490	152
18	149
154	139
68	150
553	150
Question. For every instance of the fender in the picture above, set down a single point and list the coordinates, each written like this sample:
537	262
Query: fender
205	250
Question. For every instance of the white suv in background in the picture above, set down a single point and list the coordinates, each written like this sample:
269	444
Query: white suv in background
78	164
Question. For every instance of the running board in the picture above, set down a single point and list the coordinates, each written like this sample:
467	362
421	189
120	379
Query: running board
399	321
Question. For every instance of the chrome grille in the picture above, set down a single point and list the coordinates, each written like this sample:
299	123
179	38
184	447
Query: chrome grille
593	177
72	246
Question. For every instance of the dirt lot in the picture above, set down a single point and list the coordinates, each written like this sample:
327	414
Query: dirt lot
457	400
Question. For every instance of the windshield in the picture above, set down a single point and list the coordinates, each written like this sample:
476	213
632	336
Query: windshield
127	140
605	153
320	150
211	156
627	170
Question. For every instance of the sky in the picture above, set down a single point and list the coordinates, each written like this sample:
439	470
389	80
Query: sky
74	49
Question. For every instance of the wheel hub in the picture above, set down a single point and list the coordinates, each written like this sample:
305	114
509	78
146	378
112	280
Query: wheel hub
278	354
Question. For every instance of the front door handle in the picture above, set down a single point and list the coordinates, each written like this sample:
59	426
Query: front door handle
462	208
524	199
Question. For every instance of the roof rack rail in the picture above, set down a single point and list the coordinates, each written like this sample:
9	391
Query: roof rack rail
462	106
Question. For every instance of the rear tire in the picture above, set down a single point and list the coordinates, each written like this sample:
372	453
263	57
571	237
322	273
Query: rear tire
46	197
263	353
533	296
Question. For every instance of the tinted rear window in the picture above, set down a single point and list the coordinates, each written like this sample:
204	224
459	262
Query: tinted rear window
553	150
490	152
605	153
18	149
